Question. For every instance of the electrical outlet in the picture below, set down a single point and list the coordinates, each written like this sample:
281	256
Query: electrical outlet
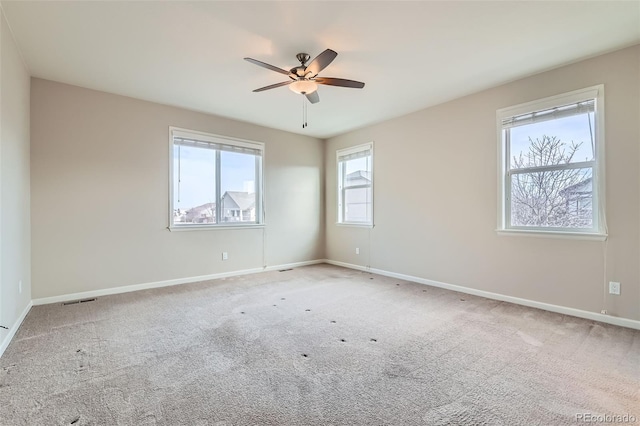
614	288
225	255
357	250
20	286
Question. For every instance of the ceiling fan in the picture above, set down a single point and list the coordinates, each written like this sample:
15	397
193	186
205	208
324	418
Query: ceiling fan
304	78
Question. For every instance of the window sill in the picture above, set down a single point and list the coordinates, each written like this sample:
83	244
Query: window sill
552	234
213	228
355	225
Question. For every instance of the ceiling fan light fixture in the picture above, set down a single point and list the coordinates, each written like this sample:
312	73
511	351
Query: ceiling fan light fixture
303	87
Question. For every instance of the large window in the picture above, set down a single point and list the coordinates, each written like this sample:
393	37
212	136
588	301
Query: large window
551	164
355	185
216	181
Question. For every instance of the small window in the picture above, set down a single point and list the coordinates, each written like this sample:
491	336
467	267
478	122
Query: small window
355	185
215	181
551	168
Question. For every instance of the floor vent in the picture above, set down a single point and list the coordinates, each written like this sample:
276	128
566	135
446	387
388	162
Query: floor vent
75	302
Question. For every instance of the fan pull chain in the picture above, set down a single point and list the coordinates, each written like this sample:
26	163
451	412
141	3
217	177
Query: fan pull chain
304	111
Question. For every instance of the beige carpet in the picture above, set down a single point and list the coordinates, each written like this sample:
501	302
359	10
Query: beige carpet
319	345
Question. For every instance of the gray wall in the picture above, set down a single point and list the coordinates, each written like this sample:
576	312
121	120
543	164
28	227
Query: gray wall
436	194
15	237
99	188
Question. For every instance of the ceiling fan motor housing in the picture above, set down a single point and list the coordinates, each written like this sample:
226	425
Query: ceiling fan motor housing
298	71
301	70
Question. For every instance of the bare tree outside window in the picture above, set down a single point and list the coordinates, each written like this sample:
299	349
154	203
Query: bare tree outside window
551	197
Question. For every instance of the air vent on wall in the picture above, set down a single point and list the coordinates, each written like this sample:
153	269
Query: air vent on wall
75	302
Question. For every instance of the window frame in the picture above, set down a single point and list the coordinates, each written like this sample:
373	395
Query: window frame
340	190
599	230
223	140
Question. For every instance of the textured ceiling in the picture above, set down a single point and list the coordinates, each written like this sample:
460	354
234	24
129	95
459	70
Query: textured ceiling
411	55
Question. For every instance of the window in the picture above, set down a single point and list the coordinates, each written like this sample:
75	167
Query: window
551	164
355	185
215	181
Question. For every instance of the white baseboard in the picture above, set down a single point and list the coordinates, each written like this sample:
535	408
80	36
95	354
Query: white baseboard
623	322
158	284
294	265
14	328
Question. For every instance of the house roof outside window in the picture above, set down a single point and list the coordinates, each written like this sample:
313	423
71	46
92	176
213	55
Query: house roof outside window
244	200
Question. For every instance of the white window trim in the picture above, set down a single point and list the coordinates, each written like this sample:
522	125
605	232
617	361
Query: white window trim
341	153
552	234
599	195
210	137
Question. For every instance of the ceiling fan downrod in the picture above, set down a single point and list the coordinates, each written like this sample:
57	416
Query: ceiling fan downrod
303	58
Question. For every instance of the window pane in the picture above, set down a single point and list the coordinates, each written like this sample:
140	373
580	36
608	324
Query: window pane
358	171
238	186
357	190
194	185
560	141
357	204
557	198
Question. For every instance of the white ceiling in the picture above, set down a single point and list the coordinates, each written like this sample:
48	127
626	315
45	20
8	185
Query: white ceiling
411	55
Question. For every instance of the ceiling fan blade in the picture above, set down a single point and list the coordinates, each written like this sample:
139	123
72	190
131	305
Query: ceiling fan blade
320	62
273	86
313	97
267	66
330	81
